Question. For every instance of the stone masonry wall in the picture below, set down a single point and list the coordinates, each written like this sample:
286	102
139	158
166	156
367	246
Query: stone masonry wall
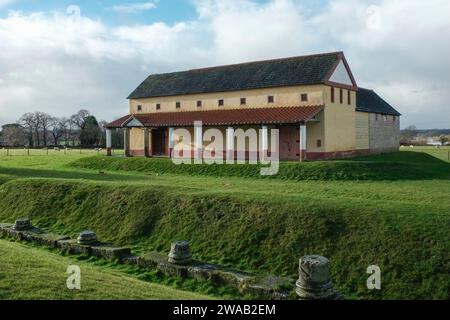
384	133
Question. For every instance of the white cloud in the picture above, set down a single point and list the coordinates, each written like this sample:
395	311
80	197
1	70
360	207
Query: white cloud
134	7
60	62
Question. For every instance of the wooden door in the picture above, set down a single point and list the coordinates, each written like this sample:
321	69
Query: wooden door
289	143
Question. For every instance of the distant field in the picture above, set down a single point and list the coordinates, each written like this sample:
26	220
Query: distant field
442	153
392	210
54	152
32	273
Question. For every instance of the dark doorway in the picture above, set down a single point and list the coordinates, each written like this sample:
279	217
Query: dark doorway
159	142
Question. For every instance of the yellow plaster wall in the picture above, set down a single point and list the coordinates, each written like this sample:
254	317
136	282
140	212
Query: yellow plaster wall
257	98
339	121
314	132
136	139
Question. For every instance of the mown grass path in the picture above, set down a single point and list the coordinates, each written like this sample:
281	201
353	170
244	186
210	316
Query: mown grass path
33	274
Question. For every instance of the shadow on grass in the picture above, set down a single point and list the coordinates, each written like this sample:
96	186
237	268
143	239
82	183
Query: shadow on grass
394	166
62	174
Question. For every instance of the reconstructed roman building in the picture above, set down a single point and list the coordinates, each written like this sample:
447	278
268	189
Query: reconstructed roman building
314	101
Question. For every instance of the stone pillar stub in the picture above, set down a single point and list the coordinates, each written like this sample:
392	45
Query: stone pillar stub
23	224
180	253
314	281
87	238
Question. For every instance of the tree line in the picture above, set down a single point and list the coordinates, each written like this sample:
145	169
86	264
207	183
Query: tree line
39	129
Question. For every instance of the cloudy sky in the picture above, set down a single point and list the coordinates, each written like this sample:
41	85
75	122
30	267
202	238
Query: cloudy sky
60	56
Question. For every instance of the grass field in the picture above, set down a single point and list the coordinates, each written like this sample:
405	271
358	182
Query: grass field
18	152
441	153
390	210
35	274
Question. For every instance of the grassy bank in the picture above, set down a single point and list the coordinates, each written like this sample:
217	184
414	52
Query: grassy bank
31	273
396	166
263	225
408	241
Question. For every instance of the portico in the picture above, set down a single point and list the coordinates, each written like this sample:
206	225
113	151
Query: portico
156	134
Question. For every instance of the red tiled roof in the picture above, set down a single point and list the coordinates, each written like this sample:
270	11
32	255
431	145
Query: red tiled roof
247	116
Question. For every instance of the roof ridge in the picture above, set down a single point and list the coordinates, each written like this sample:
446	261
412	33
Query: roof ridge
253	62
366	89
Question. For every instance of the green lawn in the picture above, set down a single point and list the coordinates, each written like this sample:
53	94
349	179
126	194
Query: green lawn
391	210
32	273
442	153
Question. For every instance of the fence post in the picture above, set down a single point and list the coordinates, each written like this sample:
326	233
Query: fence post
47	150
7	151
28	151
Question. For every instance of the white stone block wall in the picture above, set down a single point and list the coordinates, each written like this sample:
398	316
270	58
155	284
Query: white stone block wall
384	133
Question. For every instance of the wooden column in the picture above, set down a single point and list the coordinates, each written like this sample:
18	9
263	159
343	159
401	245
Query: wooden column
198	137
108	142
230	145
171	141
303	138
264	141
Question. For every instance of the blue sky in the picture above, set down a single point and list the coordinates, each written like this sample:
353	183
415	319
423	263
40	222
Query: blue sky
55	61
169	11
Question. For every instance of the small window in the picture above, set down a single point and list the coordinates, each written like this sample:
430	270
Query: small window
243	101
178	105
158	106
349	97
341	96
199	103
332	95
221	102
376	117
270	99
139	108
304	97
385	118
319	143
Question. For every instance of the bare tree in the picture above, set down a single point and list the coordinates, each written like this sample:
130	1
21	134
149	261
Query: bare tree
59	127
28	123
78	122
43	123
